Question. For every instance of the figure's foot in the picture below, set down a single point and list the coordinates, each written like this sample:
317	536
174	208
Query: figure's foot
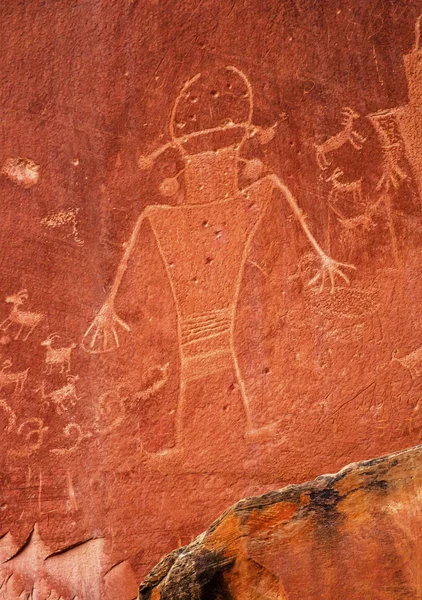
262	434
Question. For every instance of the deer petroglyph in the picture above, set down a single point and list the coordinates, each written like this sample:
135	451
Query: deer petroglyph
346	135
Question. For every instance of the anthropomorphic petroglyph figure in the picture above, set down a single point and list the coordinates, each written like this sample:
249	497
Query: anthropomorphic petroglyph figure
205	240
23	319
57	357
407	119
393	169
391	143
16	379
346	135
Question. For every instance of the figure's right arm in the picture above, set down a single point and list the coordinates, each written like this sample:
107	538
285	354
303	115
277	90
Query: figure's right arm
101	336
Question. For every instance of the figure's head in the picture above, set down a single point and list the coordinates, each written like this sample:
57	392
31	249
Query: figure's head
212	111
49	341
17	299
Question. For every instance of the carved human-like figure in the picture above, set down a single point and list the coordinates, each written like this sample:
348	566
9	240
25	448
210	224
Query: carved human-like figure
204	242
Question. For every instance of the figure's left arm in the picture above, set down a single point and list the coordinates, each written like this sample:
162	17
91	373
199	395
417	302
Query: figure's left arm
329	266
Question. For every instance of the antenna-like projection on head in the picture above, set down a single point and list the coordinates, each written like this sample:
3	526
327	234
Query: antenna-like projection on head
146	162
416	47
180	95
249	92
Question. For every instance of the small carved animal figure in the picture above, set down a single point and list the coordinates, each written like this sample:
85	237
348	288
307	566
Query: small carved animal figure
7	378
347	134
24	319
346	188
57	356
63	398
412	362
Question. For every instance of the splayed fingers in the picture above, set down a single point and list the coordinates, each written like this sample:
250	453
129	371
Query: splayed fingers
332	268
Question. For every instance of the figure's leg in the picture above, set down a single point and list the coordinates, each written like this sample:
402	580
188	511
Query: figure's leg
19	332
178	424
4	326
245	399
173	452
30	330
252	433
391	227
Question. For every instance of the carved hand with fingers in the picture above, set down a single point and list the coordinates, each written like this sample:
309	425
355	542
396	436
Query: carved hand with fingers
101	336
330	267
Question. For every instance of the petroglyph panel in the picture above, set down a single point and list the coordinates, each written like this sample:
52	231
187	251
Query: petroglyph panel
210	267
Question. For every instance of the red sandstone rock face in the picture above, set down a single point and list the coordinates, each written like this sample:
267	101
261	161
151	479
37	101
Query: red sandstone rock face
355	534
210	268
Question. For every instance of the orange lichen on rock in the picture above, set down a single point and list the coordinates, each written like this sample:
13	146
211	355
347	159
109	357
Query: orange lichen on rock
357	533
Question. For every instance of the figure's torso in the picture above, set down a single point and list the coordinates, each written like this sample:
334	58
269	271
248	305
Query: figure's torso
204	247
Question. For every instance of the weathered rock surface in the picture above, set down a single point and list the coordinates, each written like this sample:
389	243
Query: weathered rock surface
179	183
354	535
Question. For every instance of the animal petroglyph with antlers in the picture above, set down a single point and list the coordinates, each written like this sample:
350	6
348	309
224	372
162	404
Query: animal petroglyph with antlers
347	134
